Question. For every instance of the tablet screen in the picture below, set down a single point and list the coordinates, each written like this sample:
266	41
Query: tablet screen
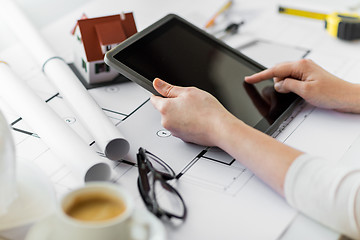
184	56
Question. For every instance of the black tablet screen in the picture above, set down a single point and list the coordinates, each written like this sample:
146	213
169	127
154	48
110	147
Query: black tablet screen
183	56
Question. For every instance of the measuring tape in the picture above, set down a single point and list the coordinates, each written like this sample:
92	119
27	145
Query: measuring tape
345	26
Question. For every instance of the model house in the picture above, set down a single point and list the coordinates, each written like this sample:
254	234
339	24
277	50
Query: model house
93	37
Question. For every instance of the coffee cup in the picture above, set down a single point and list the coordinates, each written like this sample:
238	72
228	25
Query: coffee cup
99	210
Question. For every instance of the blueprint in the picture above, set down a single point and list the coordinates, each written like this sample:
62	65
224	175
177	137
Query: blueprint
210	171
224	199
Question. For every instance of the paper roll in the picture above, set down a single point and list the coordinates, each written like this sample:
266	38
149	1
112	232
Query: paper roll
8	188
61	139
106	135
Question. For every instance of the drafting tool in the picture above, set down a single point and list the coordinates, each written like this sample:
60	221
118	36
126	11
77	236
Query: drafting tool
345	26
211	22
230	29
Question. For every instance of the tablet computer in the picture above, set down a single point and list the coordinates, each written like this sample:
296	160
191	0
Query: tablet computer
182	54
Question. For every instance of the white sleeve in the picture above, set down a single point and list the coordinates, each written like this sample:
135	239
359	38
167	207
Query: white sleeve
326	192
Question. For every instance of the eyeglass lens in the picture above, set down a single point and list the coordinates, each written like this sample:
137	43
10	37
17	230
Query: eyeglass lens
159	165
167	198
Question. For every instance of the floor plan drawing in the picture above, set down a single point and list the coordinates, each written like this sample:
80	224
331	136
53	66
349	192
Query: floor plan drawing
210	180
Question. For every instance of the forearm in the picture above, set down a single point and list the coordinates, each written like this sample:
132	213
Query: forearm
262	154
327	192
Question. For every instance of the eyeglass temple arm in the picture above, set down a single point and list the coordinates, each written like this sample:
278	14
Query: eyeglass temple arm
144	181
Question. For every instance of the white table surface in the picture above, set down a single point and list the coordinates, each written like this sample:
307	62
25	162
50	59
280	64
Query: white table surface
45	12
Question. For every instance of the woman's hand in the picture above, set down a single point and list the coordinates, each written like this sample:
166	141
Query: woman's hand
190	113
311	82
196	116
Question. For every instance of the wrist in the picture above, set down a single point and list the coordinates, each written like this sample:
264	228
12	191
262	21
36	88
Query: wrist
351	101
229	128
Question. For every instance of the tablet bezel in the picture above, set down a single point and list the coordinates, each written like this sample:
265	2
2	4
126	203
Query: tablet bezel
147	83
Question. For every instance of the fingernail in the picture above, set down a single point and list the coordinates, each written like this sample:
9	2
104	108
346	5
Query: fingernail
278	85
247	78
159	83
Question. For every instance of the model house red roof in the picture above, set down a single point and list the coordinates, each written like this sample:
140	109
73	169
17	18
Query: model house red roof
77	23
104	31
106	34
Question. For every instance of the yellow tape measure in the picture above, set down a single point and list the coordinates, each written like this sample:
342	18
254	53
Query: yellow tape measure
345	26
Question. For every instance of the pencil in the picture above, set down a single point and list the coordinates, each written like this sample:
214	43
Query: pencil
220	11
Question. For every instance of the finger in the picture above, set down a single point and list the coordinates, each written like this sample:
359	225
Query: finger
281	70
277	79
290	85
157	102
166	89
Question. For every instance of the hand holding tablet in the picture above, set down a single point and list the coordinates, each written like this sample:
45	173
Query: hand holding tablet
184	55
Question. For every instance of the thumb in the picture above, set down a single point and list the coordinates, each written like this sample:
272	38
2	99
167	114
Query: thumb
289	85
166	89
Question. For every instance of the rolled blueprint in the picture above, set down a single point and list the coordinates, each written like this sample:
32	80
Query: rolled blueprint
106	135
61	139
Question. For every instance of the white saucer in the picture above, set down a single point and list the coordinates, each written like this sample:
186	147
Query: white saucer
43	229
36	197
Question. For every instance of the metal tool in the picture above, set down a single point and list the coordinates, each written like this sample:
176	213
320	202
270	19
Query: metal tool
345	26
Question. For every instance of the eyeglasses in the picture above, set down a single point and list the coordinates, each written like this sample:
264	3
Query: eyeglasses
159	196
